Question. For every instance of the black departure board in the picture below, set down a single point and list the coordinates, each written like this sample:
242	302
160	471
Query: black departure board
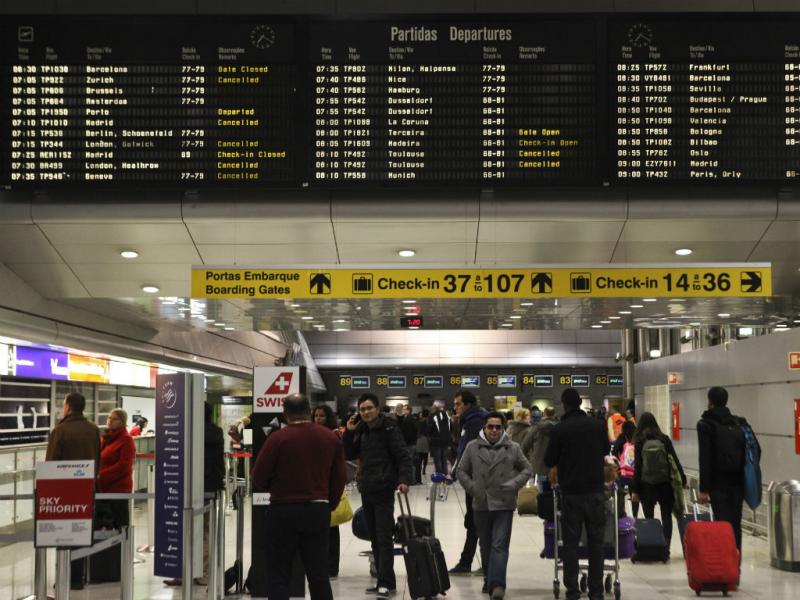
455	101
475	101
159	101
705	99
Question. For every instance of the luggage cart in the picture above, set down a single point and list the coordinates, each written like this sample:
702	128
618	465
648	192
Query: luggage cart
611	556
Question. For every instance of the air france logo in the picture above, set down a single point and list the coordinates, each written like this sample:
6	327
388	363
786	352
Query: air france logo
273	396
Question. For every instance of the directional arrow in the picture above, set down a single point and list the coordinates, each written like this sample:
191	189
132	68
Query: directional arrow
542	283
320	283
751	281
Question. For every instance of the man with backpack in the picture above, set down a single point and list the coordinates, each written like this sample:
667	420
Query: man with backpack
729	455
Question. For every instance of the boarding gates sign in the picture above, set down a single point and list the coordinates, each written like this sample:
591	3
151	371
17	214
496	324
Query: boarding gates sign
64	503
542	281
271	385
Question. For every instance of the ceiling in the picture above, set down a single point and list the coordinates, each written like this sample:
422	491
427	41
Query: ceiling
67	248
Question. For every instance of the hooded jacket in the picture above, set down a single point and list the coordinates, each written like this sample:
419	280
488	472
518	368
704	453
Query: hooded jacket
493	473
470	424
517	430
711	477
384	459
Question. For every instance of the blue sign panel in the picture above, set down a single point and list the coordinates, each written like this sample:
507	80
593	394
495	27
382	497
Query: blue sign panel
170	416
44	364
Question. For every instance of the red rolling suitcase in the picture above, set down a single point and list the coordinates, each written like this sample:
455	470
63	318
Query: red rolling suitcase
712	559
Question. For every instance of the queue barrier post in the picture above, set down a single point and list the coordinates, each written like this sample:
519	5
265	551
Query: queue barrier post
240	539
247	473
63	573
40	574
221	545
213	550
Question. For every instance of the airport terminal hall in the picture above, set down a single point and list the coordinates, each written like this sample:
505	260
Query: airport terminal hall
431	299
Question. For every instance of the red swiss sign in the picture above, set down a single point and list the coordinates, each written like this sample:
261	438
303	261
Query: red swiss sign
281	384
676	421
797	425
794	360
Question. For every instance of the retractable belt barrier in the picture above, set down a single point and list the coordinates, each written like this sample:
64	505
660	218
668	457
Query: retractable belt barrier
64	556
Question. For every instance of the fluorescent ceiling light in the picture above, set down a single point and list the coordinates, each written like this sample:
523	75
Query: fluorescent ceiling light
695	324
307	318
597	326
409	301
341	329
683	251
606	322
781	325
209	320
526	303
614	318
724	315
506	325
637	305
624	312
745	331
649	299
295	306
655	353
129	254
406	253
515	317
219	324
150	289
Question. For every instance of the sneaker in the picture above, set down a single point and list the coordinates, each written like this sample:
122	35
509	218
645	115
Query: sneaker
173	582
375	589
383	593
498	592
200	581
460	569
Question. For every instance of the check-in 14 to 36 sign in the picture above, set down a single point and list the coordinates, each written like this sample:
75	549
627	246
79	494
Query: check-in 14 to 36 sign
579	281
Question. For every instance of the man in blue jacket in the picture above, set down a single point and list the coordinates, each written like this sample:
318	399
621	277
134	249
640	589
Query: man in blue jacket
471	419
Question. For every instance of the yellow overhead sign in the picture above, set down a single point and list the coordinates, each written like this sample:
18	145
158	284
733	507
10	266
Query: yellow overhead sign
716	281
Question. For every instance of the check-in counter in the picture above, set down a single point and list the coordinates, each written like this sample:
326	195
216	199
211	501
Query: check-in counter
145	451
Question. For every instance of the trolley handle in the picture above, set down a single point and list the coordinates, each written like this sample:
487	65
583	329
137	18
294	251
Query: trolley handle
408	523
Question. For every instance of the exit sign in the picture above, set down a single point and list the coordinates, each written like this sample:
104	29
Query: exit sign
794	360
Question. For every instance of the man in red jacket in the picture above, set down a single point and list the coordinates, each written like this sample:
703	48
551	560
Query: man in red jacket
117	452
302	467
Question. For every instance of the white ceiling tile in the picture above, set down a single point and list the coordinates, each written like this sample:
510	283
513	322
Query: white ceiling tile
129	288
25	244
259	232
116	233
135	272
783	231
550	231
404	233
428	253
691	230
148	253
268	254
552	253
730	251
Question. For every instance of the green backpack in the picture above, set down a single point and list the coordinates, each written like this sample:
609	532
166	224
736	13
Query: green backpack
655	464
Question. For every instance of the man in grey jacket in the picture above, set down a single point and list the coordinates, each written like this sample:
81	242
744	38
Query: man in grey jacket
535	444
492	470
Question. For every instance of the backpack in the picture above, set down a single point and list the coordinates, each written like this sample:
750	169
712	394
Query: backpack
627	460
752	468
655	464
728	447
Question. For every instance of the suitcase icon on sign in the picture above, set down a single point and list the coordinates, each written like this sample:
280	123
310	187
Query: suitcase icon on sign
362	283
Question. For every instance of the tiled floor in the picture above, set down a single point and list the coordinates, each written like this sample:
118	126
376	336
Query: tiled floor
529	576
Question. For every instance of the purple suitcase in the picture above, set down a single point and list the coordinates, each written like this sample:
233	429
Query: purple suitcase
627	548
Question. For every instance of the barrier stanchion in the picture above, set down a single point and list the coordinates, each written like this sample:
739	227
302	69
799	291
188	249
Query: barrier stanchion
240	539
247	474
62	573
126	563
221	542
188	531
213	551
151	510
40	574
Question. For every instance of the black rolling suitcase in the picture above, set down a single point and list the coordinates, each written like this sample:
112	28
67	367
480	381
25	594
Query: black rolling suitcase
104	566
651	546
425	565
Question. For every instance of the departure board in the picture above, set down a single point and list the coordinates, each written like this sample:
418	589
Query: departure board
706	100
160	101
478	101
451	101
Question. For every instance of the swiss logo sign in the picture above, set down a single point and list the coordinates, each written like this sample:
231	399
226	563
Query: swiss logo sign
271	385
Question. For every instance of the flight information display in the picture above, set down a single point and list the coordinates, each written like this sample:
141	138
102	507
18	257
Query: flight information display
169	102
714	100
473	101
453	101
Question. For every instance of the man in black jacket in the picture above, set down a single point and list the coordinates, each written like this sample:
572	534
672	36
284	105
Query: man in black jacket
213	476
439	437
385	467
577	449
721	455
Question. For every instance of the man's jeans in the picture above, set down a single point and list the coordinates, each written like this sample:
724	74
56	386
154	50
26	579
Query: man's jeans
579	510
494	533
727	506
379	513
471	543
293	528
439	459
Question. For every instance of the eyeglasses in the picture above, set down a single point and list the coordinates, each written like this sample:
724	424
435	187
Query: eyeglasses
494	427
